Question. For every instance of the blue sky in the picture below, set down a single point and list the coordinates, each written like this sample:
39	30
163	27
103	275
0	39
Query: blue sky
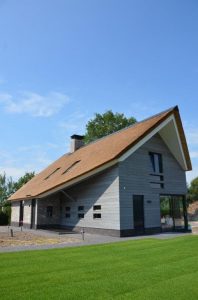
62	61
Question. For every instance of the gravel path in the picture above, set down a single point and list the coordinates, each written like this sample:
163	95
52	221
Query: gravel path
90	239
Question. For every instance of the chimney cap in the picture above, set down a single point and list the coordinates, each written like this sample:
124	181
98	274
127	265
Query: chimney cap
77	137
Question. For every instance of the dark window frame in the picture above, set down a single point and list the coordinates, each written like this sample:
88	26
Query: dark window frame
81	208
81	215
157	184
97	216
97	207
153	162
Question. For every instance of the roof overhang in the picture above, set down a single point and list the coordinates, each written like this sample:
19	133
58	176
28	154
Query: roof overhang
171	131
168	130
79	179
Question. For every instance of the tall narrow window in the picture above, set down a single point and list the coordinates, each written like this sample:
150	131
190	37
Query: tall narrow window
156	162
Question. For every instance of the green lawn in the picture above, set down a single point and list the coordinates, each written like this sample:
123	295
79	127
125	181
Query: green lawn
140	269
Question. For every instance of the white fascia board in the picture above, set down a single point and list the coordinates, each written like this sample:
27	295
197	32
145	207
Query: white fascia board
150	135
180	144
145	139
79	179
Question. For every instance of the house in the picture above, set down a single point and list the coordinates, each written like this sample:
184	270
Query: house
128	183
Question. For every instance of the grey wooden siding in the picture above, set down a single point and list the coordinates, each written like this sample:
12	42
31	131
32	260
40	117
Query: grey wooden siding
103	190
134	178
42	218
15	207
27	212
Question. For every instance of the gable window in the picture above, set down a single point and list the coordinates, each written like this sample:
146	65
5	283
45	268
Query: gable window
156	162
67	208
49	211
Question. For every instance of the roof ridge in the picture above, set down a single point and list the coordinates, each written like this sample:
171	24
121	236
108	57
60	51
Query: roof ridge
132	125
100	156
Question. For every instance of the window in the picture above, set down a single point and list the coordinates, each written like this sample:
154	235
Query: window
156	178
49	211
80	208
67	208
156	181
156	162
67	215
97	216
97	207
70	167
52	173
81	216
157	185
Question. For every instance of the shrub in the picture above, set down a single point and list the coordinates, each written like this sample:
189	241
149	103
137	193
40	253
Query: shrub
4	218
7	210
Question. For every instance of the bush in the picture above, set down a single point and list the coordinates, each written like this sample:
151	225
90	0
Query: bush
7	210
4	218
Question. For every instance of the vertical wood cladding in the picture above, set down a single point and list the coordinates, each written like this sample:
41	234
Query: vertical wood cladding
134	178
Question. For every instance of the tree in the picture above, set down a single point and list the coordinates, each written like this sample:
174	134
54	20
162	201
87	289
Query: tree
6	188
23	180
193	190
104	124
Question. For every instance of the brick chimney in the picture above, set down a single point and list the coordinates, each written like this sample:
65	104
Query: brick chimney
76	142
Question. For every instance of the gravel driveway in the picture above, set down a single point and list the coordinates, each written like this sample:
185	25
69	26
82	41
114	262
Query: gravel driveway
44	239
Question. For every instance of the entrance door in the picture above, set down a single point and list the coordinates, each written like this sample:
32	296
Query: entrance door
33	213
138	213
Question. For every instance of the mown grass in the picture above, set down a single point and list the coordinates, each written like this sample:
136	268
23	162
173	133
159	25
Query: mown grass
139	269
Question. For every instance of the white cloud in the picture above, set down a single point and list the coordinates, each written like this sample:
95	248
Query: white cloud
13	172
140	109
34	104
27	159
75	123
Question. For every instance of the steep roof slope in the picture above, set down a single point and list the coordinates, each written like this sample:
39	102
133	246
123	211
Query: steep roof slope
96	154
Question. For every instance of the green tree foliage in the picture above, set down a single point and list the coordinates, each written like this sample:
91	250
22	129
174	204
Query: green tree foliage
193	190
107	123
6	188
23	180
